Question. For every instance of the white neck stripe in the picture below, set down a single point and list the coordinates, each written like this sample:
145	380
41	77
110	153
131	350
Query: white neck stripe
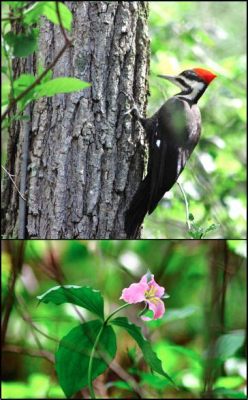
196	88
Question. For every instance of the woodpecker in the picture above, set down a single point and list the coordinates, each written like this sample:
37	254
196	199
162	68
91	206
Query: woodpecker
172	133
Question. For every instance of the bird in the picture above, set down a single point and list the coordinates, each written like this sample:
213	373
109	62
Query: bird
172	134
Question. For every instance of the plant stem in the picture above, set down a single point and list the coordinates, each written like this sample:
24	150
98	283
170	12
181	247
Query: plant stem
90	384
186	206
116	311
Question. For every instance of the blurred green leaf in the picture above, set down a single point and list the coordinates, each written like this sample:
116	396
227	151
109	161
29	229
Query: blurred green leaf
153	381
238	247
37	386
60	85
48	75
229	382
120	385
5	91
22	82
228	344
180	313
48	9
224	393
149	355
187	352
22	44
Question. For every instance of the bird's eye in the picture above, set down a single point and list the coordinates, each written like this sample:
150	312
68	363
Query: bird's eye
188	74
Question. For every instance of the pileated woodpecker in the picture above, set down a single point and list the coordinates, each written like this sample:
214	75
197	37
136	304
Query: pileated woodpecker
173	132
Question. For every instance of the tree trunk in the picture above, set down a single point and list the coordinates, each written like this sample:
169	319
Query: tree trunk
215	313
85	160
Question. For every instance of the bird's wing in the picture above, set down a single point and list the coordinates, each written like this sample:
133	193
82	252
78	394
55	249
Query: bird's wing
170	147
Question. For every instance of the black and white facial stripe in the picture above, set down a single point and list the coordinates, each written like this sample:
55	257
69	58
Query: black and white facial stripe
192	86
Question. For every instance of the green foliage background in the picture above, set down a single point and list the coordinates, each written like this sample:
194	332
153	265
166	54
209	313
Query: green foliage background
180	338
211	35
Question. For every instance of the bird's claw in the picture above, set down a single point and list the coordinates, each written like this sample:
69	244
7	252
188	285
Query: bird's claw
134	111
130	111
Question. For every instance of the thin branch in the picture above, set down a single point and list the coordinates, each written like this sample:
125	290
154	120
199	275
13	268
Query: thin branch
25	314
9	348
12	180
36	82
124	375
30	322
27	318
68	43
67	40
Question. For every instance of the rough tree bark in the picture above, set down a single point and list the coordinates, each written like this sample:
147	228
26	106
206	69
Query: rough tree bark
85	160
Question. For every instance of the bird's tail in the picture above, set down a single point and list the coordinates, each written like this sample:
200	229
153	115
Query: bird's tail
138	208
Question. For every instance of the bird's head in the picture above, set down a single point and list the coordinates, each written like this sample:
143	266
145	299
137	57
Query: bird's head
193	82
189	76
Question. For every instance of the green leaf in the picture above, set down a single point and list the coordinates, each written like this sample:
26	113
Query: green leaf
228	344
51	13
238	247
22	82
85	297
72	357
195	233
23	44
60	85
149	355
120	385
10	38
48	75
229	382
174	314
48	9
228	394
188	353
5	90
33	13
153	381
212	227
198	232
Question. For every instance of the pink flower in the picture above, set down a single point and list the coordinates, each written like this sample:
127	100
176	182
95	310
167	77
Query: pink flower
149	292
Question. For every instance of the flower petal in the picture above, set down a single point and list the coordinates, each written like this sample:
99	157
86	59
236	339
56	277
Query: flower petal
157	306
143	279
158	290
135	293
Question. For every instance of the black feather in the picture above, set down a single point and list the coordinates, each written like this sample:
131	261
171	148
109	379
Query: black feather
173	132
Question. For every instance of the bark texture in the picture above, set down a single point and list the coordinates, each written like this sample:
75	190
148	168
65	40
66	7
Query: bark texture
85	158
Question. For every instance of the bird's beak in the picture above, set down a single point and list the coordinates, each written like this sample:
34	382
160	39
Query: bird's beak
172	79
